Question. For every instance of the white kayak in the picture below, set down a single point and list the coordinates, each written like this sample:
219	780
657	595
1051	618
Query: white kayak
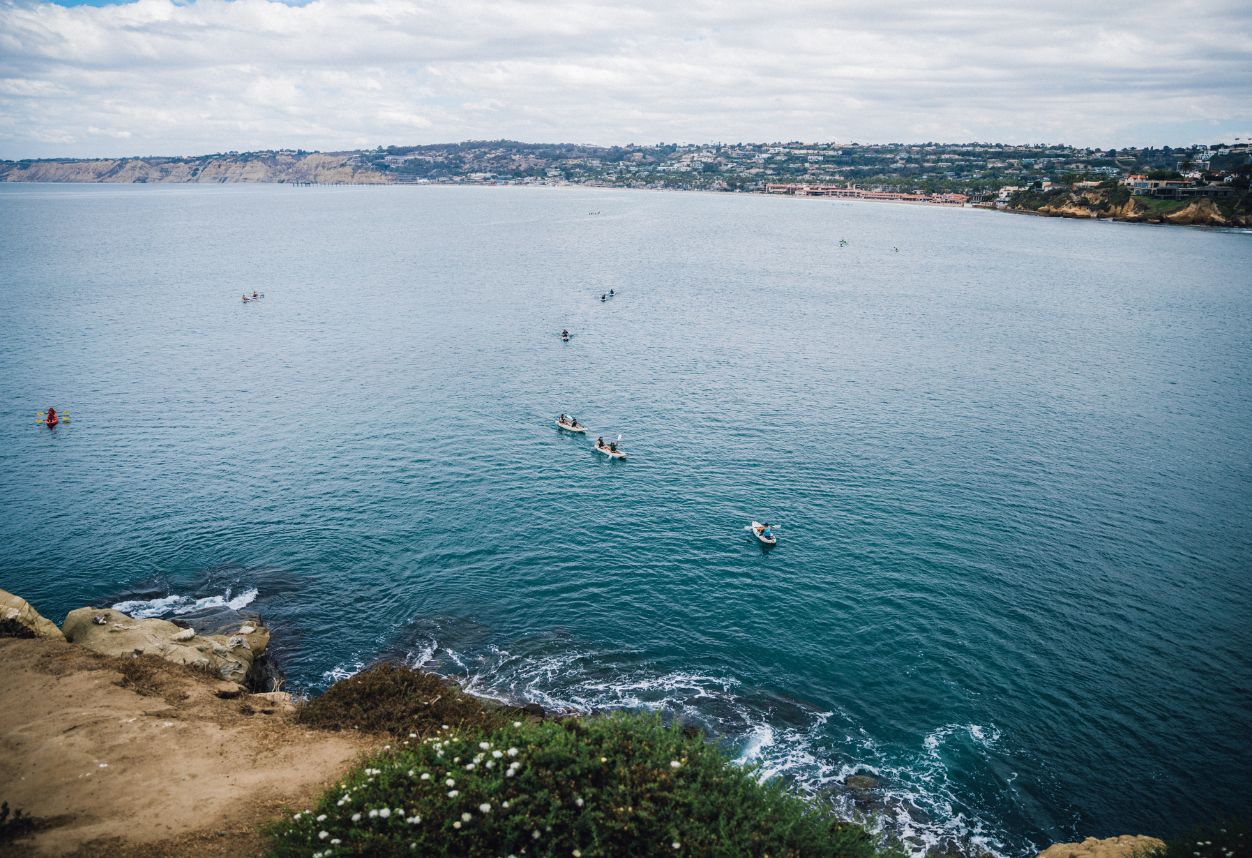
569	428
612	454
758	530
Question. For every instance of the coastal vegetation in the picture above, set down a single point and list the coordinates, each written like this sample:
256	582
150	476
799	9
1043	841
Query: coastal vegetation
389	698
14	823
599	786
1226	839
1114	201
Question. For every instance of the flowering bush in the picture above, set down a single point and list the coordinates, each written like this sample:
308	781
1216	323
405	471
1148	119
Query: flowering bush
619	785
1229	839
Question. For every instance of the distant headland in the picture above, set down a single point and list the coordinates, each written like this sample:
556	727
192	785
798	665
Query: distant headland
1200	184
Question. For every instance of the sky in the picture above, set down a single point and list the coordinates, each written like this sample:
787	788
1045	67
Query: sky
154	77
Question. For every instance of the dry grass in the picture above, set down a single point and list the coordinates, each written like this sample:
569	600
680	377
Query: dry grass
391	698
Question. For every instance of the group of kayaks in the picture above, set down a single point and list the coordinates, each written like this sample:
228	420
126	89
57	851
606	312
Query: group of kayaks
765	533
255	296
607	448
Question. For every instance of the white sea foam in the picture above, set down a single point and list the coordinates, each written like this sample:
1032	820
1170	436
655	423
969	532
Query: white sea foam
920	803
175	605
343	671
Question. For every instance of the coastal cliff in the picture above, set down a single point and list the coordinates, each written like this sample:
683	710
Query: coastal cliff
285	166
1117	203
118	752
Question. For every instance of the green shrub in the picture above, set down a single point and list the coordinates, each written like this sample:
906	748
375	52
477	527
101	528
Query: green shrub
391	698
1223	840
606	786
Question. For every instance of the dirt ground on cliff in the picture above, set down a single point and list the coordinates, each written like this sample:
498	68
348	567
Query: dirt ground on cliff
141	758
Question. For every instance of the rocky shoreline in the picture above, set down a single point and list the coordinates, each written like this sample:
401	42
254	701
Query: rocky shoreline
146	737
1110	204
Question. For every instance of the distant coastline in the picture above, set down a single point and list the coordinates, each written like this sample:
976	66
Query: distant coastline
1089	189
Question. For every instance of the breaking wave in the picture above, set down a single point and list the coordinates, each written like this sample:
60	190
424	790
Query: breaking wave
176	605
915	800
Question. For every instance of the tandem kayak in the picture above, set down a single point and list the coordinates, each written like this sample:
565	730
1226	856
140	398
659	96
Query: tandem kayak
569	428
612	454
758	530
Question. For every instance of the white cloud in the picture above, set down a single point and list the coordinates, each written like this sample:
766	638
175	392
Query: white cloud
156	77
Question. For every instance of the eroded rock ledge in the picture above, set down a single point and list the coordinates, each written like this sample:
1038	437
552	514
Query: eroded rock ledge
1122	846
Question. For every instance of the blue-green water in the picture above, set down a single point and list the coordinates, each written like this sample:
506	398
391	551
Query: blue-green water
1011	461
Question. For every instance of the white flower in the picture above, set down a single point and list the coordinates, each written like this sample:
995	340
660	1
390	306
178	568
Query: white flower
444	727
386	747
356	817
453	793
604	759
385	812
676	845
577	854
578	801
535	834
484	745
425	776
450	782
505	805
456	825
412	773
512	752
296	817
373	814
335	841
469	767
517	723
466	817
413	820
322	835
497	754
412	735
485	807
321	817
491	764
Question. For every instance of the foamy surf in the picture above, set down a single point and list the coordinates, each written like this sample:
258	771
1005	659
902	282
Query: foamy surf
916	804
176	605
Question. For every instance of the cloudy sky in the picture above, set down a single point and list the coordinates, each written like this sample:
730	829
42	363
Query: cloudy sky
156	77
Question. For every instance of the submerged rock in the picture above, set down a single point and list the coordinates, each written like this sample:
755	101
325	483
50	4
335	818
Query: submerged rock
235	657
1123	846
861	783
19	620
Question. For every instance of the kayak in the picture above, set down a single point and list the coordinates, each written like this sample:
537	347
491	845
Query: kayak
612	454
52	422
758	530
569	428
56	419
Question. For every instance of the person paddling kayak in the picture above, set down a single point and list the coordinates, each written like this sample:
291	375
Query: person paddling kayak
52	419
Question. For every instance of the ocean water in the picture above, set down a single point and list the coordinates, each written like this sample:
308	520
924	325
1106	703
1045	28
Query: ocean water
1010	456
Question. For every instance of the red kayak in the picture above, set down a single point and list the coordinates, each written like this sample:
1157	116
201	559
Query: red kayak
52	421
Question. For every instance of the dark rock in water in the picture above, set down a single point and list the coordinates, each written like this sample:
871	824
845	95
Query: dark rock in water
861	783
535	709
